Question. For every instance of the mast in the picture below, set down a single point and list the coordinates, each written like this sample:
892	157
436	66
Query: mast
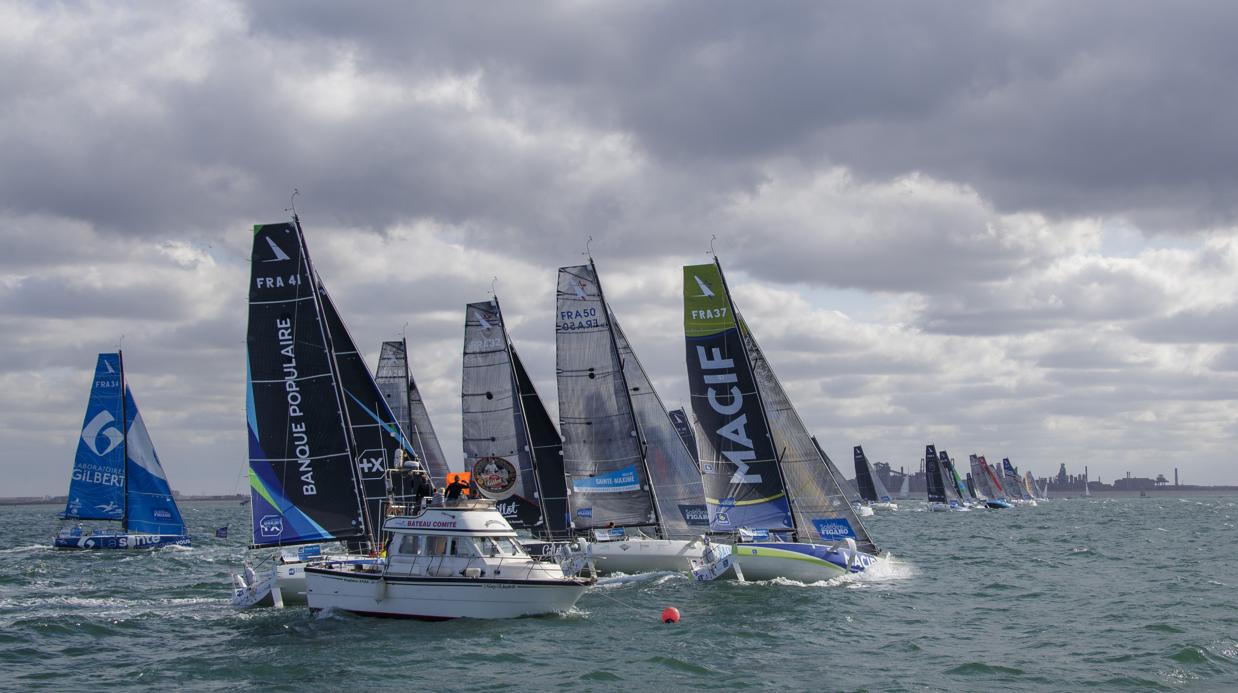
740	327
627	392
341	408
124	431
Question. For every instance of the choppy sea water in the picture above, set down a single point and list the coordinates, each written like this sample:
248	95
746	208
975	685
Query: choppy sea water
1108	594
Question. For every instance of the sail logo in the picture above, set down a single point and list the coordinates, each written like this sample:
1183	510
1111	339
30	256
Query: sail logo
271	525
706	292
579	288
585	513
735	430
161	514
108	365
495	476
372	464
694	514
280	255
481	319
110	508
95	428
834	528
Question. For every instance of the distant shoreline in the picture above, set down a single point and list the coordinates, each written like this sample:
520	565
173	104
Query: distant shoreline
61	500
1167	492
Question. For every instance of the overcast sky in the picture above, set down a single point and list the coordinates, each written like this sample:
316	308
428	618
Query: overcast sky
1004	228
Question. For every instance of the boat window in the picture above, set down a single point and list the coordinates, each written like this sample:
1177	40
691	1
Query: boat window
409	545
500	546
464	546
436	546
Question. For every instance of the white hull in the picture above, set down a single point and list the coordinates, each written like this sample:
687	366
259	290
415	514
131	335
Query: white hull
434	598
643	555
888	507
863	510
282	585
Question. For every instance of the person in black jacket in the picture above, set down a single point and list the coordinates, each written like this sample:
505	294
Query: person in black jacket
455	488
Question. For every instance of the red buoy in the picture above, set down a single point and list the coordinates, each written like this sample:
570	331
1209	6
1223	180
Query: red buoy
670	615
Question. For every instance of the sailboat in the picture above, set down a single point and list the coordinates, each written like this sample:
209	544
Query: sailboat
511	446
998	497
634	484
1033	490
397	385
849	488
936	481
1014	484
322	439
952	482
904	491
116	473
1086	491
870	484
766	483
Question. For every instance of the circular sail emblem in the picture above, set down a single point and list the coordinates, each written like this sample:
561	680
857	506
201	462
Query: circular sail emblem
495	476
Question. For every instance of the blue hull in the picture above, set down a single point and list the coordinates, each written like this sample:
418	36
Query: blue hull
996	504
120	541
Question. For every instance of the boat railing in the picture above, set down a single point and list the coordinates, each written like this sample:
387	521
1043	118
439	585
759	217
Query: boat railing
412	510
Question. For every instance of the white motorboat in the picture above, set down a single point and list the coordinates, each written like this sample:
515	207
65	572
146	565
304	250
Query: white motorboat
458	560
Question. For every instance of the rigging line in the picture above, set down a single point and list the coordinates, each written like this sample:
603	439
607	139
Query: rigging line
618	601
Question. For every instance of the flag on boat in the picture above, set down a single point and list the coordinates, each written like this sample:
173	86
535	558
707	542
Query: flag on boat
222	532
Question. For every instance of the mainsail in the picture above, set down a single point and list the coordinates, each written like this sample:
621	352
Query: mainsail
933	477
397	385
510	445
760	465
97	487
602	451
863	476
303	480
866	477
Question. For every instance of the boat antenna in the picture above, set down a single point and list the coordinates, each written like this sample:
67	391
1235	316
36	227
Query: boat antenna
292	203
712	238
493	281
404	332
120	343
588	252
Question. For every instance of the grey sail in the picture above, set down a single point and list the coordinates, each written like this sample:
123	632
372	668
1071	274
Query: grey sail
397	385
602	453
497	448
672	467
883	494
818	492
981	480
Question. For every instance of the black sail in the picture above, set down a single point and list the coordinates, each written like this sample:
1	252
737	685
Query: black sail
679	417
303	482
376	433
863	478
932	474
547	450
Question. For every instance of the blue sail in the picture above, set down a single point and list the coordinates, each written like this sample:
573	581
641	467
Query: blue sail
97	489
151	506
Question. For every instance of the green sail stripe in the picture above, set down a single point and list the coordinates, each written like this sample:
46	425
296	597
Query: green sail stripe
256	484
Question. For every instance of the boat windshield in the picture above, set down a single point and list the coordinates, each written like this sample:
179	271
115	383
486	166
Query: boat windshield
501	546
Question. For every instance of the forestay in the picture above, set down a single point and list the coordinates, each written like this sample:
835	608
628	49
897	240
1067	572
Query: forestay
602	452
97	487
303	484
